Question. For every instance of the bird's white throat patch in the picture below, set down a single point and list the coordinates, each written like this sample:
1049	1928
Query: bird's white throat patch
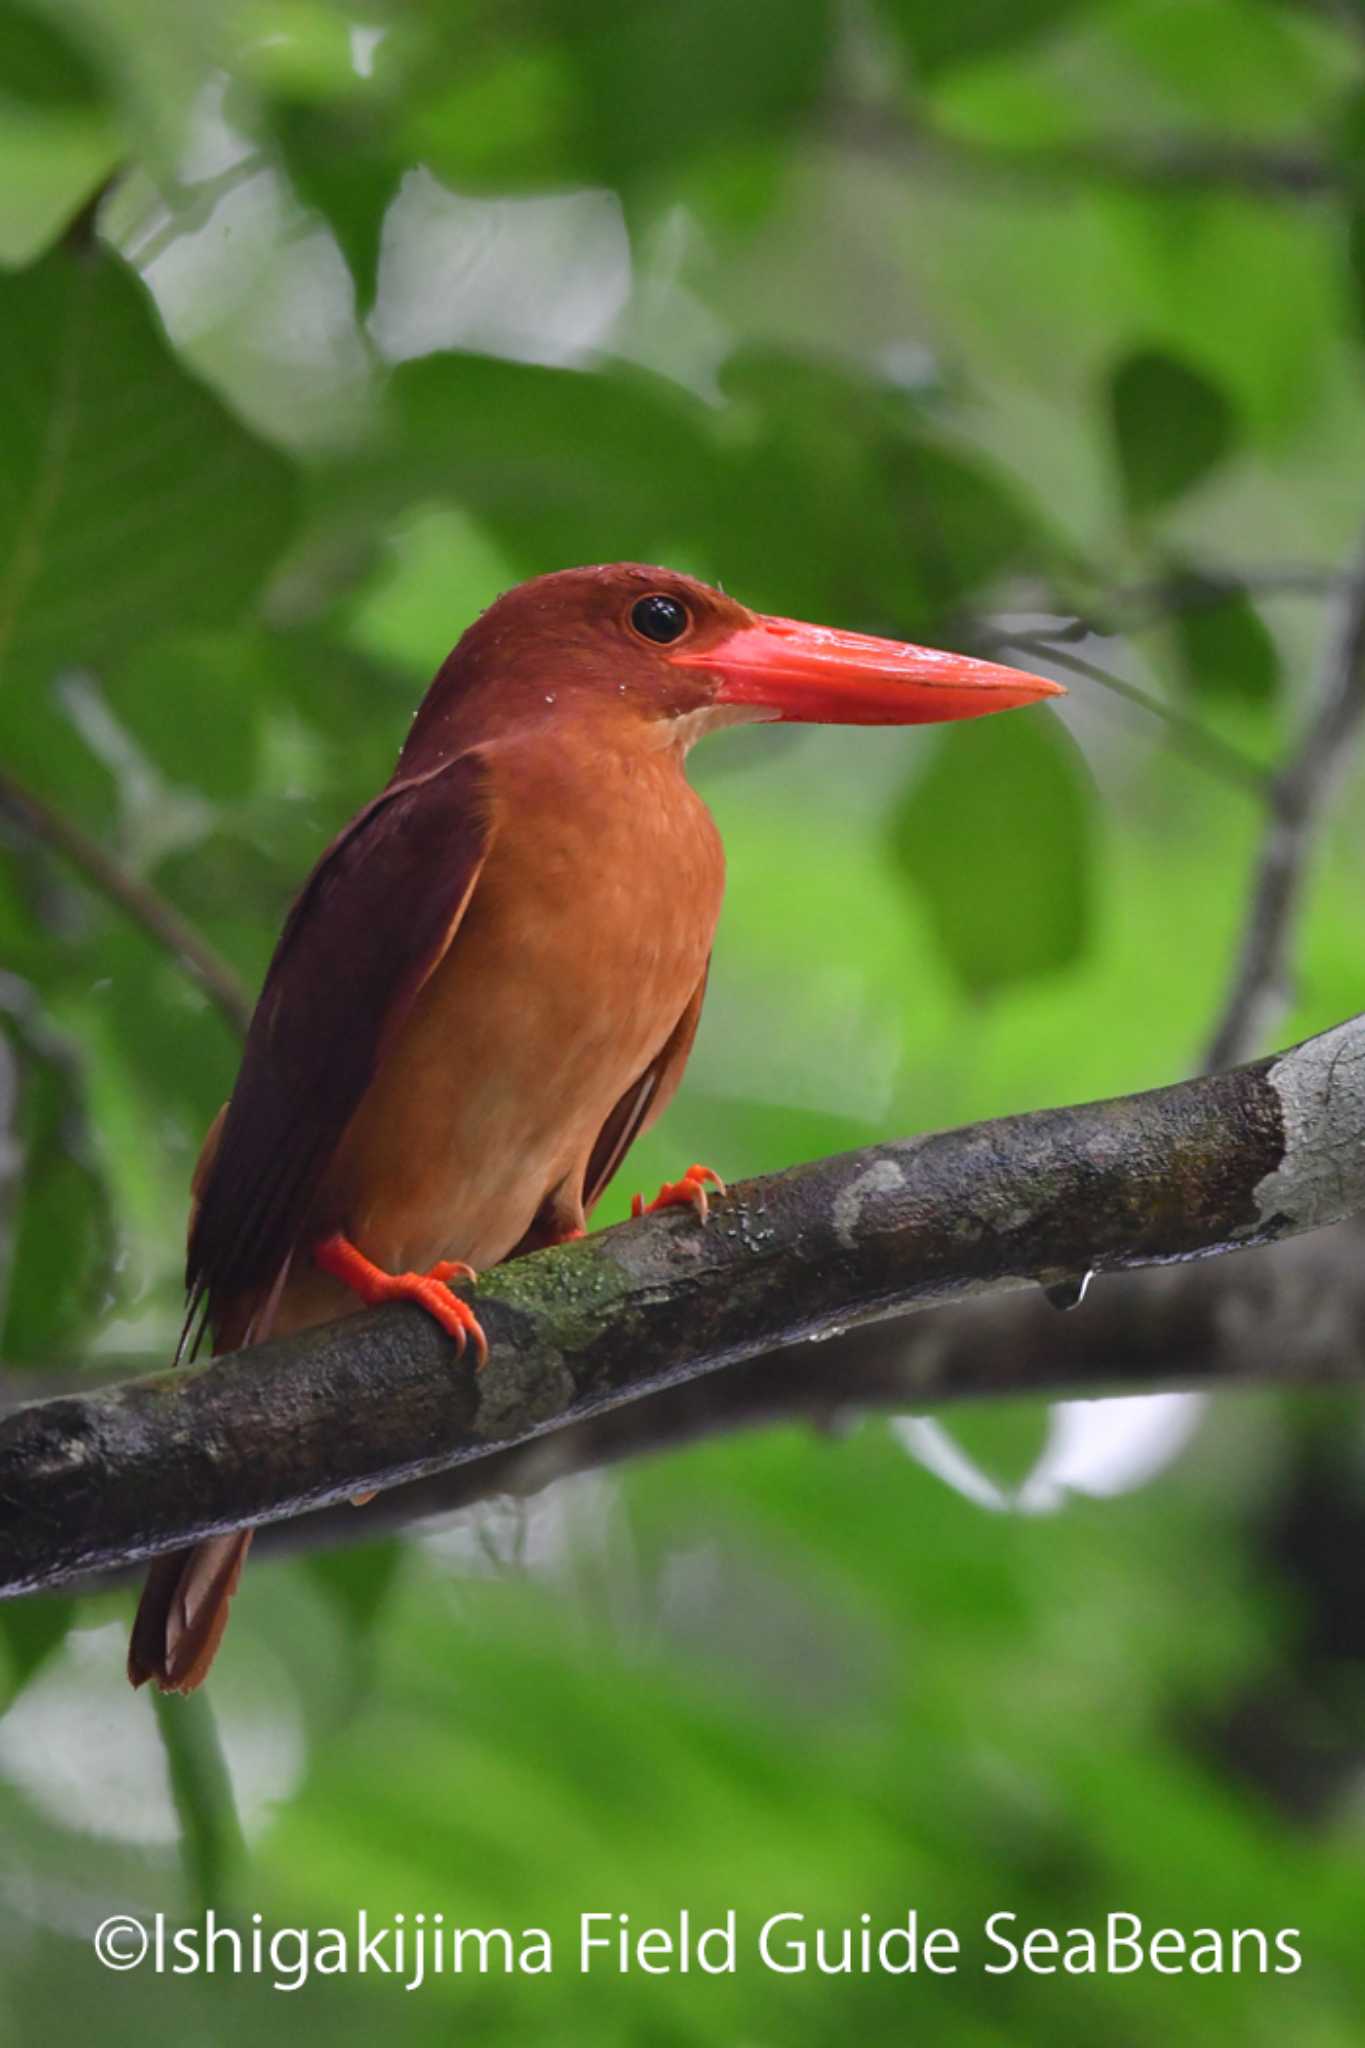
692	726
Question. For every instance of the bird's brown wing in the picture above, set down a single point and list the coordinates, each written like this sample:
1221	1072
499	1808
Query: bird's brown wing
644	1102
373	920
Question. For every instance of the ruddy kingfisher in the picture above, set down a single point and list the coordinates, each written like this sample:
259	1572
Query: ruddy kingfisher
490	983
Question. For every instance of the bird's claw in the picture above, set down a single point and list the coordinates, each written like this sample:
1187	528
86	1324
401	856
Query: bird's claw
448	1270
339	1257
691	1189
429	1291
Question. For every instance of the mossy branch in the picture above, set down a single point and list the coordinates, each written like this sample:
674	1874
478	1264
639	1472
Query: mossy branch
1205	1167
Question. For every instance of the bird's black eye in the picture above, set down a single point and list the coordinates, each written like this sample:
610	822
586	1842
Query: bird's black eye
660	618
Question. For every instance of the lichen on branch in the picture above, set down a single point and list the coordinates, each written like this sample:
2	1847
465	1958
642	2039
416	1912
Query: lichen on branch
1269	1150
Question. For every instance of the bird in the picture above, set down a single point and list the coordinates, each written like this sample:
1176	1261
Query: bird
490	983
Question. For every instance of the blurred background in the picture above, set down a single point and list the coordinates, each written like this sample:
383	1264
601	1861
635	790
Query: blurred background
320	325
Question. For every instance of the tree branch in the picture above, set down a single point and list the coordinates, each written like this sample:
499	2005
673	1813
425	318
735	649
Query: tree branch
1291	1313
158	918
1207	1166
1298	795
1169	162
1287	1315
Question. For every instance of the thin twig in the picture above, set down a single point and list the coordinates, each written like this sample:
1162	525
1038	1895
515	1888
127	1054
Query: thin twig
212	1850
1196	1170
146	905
1194	587
1194	740
1298	798
1203	587
186	209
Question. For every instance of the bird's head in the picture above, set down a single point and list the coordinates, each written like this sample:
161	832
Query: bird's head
676	657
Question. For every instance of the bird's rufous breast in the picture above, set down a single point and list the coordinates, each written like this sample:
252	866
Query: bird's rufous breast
585	939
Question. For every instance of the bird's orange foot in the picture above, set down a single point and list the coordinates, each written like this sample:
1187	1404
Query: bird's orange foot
690	1189
339	1257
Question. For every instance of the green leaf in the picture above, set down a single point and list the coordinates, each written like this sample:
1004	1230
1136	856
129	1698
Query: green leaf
665	83
301	47
57	141
1355	265
1223	646
357	1581
1172	425
608	465
507	117
39	65
196	703
61	1237
995	839
1348	138
1228	67
129	496
620	95
825	508
841	503
565	94
340	162
23	942
940	37
1003	1441
30	1630
153	63
166	1042
51	165
964	523
814	488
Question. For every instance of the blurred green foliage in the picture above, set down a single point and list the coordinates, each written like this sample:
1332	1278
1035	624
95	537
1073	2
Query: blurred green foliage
323	323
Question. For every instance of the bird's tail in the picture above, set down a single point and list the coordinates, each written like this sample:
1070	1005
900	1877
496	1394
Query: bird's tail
183	1612
184	1606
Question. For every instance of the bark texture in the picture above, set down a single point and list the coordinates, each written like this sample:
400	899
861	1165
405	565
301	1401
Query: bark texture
1214	1165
